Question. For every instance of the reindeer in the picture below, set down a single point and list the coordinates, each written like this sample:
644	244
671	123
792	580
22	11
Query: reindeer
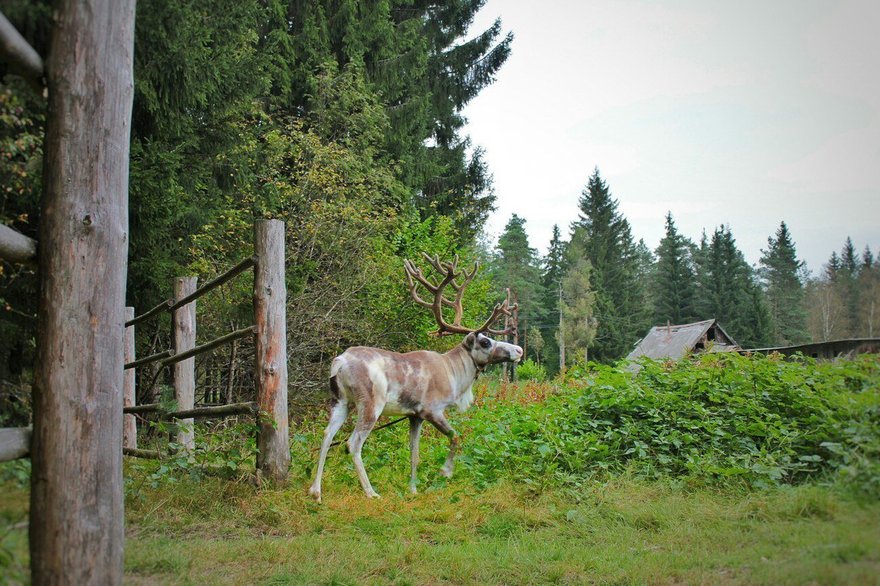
421	384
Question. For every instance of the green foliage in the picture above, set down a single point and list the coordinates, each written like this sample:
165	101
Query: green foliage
516	267
578	303
675	279
781	271
620	310
227	450
531	370
728	291
721	419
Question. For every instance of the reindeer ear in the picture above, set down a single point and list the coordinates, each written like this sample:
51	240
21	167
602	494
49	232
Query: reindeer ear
469	340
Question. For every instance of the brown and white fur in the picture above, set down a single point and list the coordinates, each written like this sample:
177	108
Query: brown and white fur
419	384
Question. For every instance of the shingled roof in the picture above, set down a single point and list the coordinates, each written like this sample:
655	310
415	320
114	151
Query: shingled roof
675	341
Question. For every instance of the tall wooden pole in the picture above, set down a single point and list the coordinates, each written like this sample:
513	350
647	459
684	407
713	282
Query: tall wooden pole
561	334
129	422
185	370
76	512
270	299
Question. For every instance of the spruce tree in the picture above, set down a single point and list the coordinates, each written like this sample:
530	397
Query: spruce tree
551	278
516	267
780	271
607	242
675	278
727	290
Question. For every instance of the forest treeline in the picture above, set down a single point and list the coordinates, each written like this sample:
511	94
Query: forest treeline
344	119
600	290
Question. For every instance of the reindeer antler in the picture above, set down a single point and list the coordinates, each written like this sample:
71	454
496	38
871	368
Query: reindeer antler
458	280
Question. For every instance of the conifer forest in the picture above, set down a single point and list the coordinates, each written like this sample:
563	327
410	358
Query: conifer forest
344	119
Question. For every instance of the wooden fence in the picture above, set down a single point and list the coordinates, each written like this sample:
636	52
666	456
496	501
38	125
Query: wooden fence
270	335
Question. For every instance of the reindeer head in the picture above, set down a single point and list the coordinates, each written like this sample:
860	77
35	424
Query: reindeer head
484	350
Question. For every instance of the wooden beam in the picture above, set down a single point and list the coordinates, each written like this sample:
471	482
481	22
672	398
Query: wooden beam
185	368
137	453
213	284
217	411
16	51
163	355
129	394
270	299
197	412
242	333
16	247
159	308
145	408
76	502
15	443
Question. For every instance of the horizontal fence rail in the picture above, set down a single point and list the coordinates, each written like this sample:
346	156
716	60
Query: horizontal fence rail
213	284
248	408
149	359
230	337
16	247
158	309
15	443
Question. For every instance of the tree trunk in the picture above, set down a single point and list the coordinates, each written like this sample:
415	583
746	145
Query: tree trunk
76	512
185	370
270	299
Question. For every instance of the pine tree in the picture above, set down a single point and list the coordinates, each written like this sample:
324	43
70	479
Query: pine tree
620	297
780	270
675	278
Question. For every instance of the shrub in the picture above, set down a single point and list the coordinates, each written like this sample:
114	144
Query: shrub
531	370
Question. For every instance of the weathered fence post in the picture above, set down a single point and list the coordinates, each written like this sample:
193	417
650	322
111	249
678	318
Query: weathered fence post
270	299
129	422
76	512
185	370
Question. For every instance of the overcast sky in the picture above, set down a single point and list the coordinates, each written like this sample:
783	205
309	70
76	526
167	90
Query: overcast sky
725	112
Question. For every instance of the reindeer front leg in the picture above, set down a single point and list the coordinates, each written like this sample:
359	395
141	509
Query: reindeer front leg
415	428
438	420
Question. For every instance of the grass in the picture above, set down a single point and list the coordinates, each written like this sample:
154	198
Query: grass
529	505
624	531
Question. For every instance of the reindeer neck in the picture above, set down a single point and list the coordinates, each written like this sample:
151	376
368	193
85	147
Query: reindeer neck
462	366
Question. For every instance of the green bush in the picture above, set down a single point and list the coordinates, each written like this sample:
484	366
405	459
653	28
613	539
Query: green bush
721	418
531	370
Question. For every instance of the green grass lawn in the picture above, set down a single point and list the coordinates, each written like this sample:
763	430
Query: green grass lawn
623	531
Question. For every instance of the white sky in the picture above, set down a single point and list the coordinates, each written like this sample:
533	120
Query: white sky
725	112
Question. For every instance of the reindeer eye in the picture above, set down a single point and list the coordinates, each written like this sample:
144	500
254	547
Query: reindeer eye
485	342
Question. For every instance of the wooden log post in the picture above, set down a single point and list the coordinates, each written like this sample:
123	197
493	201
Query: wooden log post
185	370
129	422
270	299
76	504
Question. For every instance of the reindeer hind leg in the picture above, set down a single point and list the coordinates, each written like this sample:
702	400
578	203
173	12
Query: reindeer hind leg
363	427
338	415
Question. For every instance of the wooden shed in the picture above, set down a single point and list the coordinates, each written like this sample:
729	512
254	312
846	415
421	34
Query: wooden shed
673	342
